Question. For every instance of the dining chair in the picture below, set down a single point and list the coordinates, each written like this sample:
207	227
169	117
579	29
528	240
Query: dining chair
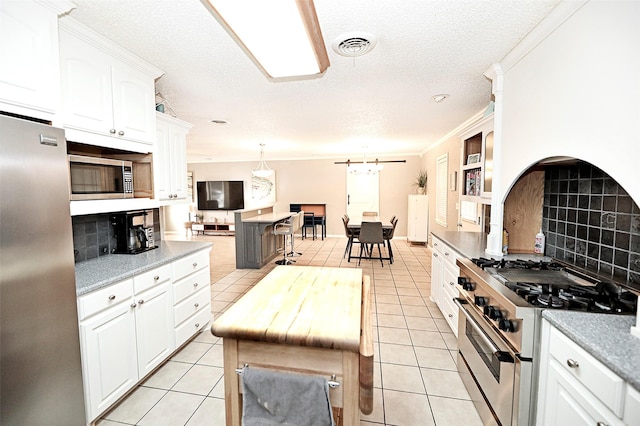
371	233
350	233
388	236
309	222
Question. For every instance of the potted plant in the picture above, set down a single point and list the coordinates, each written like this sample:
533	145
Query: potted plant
421	181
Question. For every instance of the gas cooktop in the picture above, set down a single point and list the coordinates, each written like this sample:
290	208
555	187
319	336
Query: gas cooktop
550	284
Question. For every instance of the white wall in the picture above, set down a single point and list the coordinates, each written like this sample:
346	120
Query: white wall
308	181
576	94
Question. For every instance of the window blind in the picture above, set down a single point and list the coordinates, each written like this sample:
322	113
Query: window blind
442	173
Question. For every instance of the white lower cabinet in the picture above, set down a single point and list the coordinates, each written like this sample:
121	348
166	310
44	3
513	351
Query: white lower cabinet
444	277
129	328
576	389
108	347
154	325
191	295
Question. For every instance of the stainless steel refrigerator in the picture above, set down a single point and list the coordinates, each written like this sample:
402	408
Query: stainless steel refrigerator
41	373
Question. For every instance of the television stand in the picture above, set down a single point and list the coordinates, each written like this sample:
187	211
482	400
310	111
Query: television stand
213	228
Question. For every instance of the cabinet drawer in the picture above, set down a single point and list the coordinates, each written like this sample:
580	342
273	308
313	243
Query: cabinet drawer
632	407
437	244
151	278
190	285
99	300
450	279
192	304
189	264
449	311
194	323
602	382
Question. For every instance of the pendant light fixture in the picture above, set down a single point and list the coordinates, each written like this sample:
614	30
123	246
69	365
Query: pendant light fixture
262	170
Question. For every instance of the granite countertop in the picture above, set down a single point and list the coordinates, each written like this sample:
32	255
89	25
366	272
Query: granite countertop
268	217
606	337
103	271
473	244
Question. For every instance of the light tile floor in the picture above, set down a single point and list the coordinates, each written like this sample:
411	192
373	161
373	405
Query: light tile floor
415	381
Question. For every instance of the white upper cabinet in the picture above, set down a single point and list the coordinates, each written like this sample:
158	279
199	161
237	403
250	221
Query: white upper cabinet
29	69
170	159
108	96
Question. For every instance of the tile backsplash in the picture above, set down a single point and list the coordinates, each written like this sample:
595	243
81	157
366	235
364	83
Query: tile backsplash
93	235
589	220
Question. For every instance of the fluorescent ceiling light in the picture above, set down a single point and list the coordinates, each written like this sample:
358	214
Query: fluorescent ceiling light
282	37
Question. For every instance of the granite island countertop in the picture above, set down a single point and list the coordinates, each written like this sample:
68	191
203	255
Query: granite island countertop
473	244
103	271
606	337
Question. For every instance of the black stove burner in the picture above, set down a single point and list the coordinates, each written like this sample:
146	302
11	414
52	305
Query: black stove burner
550	301
602	297
483	263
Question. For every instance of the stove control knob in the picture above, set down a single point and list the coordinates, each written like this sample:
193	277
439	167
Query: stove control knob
492	312
480	300
506	325
466	284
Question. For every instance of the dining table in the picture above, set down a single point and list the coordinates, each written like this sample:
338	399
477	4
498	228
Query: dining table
355	224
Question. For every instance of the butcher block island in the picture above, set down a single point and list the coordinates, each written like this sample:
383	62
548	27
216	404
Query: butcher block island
306	320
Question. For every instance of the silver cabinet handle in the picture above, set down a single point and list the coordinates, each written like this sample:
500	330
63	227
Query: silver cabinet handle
435	254
446	253
601	424
195	264
197	324
196	305
195	284
120	133
451	283
156	278
133	305
450	315
112	131
112	297
140	302
572	363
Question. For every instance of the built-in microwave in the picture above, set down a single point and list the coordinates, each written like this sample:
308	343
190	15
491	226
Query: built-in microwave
95	178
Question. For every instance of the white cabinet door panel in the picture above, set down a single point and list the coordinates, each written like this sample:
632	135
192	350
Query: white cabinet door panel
109	357
154	327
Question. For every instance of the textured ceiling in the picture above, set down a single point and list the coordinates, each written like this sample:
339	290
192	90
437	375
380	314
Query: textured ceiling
381	100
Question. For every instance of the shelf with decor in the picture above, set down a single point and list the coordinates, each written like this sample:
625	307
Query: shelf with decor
477	162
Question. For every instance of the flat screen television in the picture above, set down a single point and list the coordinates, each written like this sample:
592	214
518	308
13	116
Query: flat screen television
221	195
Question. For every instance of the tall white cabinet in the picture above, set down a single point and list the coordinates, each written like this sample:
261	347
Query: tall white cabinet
418	218
170	159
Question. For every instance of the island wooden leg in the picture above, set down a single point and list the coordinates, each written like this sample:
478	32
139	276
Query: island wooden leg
233	407
351	391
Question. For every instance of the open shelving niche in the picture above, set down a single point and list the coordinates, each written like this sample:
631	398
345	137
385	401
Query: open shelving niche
476	175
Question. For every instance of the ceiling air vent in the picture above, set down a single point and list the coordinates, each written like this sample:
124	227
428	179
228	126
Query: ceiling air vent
354	44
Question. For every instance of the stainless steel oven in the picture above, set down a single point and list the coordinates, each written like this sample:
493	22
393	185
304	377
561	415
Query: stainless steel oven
500	315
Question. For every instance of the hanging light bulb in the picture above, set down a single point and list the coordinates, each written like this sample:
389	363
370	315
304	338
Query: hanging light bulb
262	170
364	168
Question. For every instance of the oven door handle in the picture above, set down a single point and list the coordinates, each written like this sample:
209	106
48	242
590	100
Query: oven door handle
481	333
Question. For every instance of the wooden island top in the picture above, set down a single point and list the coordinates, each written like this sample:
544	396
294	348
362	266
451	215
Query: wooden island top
301	306
306	320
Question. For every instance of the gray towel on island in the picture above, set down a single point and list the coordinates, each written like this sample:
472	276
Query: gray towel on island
280	398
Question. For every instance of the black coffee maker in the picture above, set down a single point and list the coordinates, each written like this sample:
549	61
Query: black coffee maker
133	231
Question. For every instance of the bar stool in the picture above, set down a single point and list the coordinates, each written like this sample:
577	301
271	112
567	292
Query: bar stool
285	229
